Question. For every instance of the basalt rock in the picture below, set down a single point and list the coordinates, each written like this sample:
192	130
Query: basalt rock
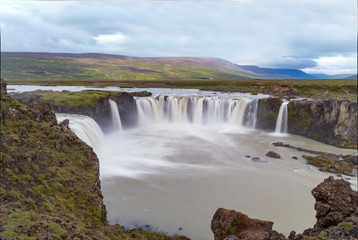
267	113
100	110
329	121
228	223
335	203
273	154
336	212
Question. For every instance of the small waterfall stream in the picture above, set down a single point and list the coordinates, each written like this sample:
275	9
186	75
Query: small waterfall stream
281	122
84	127
116	120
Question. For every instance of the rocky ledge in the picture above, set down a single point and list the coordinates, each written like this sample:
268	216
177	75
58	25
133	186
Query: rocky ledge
327	162
92	103
336	212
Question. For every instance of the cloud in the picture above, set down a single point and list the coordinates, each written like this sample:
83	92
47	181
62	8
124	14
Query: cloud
276	33
338	64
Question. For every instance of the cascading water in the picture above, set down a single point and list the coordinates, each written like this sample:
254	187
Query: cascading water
116	120
281	122
84	127
251	114
198	110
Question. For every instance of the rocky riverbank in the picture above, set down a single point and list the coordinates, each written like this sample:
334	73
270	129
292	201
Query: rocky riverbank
336	213
327	162
49	179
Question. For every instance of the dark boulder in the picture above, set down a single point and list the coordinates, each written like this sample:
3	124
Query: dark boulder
335	203
228	223
273	154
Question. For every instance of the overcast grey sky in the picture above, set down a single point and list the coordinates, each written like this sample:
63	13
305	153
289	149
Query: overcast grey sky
318	36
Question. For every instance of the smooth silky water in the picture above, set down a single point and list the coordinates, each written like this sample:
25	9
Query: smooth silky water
173	171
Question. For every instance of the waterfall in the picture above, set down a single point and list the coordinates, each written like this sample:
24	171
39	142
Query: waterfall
198	110
281	122
251	114
116	120
84	127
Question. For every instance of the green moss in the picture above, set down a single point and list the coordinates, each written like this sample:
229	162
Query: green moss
231	230
322	235
346	225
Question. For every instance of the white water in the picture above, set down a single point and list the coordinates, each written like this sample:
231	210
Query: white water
197	110
84	127
116	120
282	118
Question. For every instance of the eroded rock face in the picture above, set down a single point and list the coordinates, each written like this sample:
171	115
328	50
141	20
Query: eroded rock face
329	121
336	202
336	212
228	223
267	113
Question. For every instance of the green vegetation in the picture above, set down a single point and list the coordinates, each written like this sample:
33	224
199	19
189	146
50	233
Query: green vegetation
107	67
304	88
49	180
76	100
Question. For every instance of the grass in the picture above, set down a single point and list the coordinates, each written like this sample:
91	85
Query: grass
318	88
72	67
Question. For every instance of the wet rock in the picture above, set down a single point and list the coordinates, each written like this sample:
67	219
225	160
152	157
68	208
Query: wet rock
248	156
257	159
294	157
281	144
65	124
327	162
226	223
273	154
232	237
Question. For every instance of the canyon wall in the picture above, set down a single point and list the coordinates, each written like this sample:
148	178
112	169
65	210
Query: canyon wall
329	121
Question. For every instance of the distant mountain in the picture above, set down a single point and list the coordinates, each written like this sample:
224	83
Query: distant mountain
273	73
326	76
116	67
352	77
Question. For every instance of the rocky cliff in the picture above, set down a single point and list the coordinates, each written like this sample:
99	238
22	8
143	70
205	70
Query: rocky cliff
336	212
49	180
329	121
94	104
267	112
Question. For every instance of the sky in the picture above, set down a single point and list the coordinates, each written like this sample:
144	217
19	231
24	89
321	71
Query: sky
317	36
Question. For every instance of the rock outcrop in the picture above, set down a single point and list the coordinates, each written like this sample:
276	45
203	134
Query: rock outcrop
94	104
329	121
335	203
336	212
273	154
228	224
267	113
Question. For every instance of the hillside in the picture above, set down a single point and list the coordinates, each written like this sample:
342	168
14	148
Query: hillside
49	180
116	67
272	73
